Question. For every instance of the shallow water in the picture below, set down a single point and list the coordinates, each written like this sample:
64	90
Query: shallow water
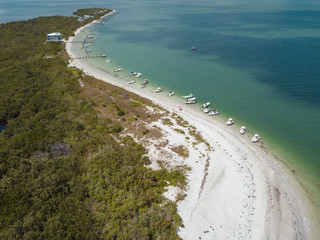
257	62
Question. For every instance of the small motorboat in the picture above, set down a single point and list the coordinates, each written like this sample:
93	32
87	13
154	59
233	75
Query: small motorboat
170	94
206	110
145	81
188	96
193	48
108	60
117	70
206	104
213	112
243	130
192	99
138	75
132	74
255	138
132	81
230	122
159	89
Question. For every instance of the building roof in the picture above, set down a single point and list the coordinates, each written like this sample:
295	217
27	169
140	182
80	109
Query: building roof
54	34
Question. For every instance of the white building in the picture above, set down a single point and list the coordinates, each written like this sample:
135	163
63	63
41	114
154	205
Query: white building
54	37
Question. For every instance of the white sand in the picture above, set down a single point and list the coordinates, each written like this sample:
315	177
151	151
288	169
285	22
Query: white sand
237	191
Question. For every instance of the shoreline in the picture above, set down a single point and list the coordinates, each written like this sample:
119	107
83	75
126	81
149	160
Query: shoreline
260	201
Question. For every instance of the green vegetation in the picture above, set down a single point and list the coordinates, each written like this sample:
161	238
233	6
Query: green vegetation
96	13
65	172
181	151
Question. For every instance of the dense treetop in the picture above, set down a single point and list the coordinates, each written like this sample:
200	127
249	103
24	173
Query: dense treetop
65	171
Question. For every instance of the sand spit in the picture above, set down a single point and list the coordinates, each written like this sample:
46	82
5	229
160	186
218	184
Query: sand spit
236	189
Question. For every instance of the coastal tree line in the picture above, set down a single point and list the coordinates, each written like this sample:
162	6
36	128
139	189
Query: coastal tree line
65	171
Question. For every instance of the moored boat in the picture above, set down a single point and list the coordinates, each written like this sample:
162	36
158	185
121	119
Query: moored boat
243	130
138	75
132	81
206	104
255	138
190	102
170	94
108	60
213	112
117	70
206	110
132	74
193	48
229	122
159	89
188	96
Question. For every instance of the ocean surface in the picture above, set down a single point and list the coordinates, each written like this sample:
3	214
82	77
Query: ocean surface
256	61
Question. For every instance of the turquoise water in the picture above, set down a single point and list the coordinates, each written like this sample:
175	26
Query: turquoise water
257	62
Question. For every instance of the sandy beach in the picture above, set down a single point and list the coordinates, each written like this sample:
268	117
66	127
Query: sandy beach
236	189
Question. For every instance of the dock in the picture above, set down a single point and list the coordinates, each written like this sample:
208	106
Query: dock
91	56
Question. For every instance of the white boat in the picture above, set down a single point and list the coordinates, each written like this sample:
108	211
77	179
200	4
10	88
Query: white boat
243	130
132	74
193	48
255	138
230	122
213	112
170	94
206	110
190	101
138	75
145	81
117	70
188	96
159	89
132	81
108	60
206	104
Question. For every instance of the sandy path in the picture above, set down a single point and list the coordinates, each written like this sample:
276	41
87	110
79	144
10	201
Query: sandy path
237	191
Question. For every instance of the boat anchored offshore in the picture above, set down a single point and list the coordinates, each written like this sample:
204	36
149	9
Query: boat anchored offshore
159	89
117	70
191	100
213	112
206	110
229	122
188	96
206	104
243	130
132	81
138	75
132	74
255	138
170	94
193	48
